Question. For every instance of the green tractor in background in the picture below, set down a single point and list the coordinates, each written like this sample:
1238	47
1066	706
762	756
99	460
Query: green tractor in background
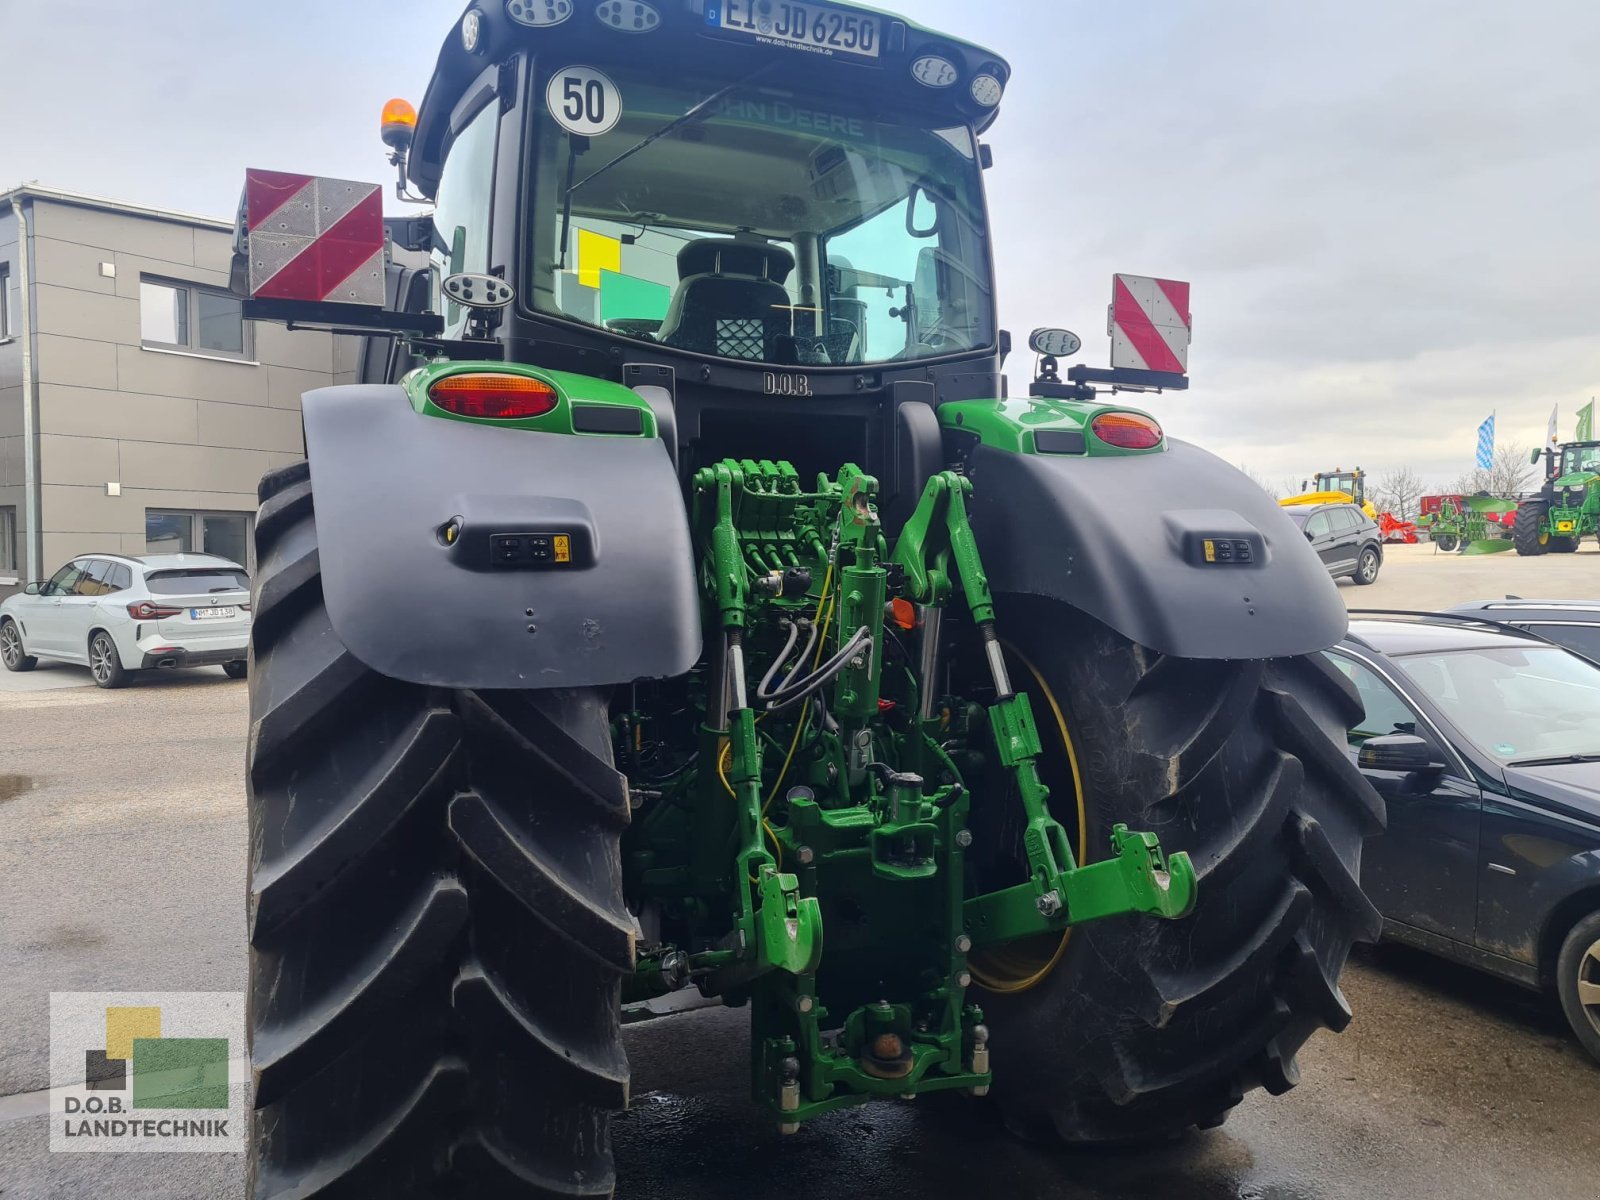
1567	508
682	603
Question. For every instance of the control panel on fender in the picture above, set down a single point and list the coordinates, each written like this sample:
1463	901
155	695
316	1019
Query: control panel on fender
549	550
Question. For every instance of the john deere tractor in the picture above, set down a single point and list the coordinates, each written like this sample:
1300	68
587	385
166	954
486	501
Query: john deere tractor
1567	508
682	605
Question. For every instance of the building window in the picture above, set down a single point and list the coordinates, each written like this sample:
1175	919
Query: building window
5	301
186	316
227	535
8	540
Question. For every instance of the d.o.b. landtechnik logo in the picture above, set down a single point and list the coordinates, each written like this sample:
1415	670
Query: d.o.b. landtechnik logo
147	1071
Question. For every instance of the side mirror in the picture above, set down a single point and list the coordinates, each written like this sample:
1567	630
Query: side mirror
922	213
32	589
1536	455
1056	343
1310	537
1399	752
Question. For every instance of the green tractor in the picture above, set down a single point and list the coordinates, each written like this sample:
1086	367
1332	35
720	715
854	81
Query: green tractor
1567	508
681	603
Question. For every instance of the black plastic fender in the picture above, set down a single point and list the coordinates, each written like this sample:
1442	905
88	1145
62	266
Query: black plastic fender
1124	539
415	606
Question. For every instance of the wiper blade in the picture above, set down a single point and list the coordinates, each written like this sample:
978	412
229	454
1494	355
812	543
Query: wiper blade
1556	760
672	126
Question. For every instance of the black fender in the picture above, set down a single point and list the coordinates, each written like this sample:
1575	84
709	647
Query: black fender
1123	539
388	480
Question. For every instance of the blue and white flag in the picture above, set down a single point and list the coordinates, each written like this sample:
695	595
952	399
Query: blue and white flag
1486	444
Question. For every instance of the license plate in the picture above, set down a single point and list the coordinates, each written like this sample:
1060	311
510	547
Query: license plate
817	28
1563	526
226	613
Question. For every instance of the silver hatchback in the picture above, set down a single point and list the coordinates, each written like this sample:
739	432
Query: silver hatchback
116	614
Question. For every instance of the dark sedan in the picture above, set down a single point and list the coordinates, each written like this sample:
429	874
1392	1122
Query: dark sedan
1485	742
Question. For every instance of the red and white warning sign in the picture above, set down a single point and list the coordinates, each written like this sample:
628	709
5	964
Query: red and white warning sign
1149	324
314	239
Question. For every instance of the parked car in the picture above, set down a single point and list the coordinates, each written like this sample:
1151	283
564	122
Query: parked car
1573	623
116	614
1345	538
1485	742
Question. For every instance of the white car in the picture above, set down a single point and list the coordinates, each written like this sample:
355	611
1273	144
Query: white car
116	614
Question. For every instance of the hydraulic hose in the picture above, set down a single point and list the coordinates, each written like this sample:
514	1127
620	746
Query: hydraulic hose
794	691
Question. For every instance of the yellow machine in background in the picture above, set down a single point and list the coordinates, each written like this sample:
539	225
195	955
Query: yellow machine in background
1336	487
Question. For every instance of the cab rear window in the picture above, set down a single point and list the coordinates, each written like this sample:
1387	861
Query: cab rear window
190	582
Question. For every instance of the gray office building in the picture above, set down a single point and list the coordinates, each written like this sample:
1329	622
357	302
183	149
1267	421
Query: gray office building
138	408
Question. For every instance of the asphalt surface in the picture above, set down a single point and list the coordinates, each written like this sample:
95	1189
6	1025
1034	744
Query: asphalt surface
122	859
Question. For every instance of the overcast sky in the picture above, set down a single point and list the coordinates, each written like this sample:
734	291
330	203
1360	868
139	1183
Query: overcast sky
1388	209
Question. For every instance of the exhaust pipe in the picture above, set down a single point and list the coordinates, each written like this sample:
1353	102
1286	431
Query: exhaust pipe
167	662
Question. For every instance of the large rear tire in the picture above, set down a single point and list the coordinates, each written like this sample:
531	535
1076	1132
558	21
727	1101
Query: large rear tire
1528	532
437	930
1145	1028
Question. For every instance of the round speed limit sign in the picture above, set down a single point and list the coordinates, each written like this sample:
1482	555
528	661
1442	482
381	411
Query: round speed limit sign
584	101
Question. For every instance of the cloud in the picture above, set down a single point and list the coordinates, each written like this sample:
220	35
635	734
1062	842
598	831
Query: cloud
1386	209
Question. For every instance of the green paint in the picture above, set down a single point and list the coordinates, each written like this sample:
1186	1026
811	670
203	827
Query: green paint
180	1072
1011	424
814	867
570	387
626	297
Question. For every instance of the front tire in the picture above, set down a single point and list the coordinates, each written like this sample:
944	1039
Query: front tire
105	661
1578	981
236	670
1528	532
1147	1028
437	929
1563	545
11	652
1367	567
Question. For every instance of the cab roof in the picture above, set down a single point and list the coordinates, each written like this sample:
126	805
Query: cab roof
462	79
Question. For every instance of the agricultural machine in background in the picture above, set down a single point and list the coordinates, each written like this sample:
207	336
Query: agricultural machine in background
1567	508
753	640
1339	486
1467	524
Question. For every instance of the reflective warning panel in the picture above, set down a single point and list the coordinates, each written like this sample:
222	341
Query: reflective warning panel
1150	324
315	239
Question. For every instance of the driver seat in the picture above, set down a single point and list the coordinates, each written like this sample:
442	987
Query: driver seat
730	300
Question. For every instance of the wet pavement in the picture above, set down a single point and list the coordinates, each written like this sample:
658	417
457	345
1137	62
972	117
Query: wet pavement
1448	1085
122	857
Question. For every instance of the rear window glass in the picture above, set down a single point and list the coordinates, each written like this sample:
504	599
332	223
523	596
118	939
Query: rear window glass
185	583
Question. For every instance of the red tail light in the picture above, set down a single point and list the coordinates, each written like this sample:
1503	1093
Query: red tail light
493	397
146	611
1127	431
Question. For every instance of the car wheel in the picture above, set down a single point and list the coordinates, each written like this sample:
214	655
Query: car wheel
236	670
1367	567
1578	981
105	664
11	652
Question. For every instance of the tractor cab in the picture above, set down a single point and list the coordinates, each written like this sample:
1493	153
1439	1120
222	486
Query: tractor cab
1578	459
1351	483
785	233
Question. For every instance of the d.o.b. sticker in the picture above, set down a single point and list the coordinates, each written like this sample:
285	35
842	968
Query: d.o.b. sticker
584	101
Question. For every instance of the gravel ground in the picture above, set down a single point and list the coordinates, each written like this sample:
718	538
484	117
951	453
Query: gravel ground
122	859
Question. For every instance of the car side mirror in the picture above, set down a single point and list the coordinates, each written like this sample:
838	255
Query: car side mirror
1399	752
32	589
1310	537
1536	455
